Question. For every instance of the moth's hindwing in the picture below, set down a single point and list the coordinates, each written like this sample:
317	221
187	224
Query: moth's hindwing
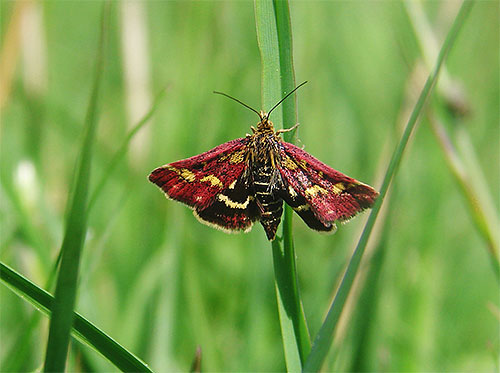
234	208
318	193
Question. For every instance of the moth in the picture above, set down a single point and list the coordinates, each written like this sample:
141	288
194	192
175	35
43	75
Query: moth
246	180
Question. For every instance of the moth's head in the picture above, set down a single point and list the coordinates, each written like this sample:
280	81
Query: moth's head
264	123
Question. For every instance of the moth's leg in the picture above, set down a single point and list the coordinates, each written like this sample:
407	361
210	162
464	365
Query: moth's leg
287	129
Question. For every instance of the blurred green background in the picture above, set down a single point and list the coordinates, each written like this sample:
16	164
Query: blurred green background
158	281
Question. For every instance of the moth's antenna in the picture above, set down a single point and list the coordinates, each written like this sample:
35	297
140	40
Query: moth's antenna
235	99
284	98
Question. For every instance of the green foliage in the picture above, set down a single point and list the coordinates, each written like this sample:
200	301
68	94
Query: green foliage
82	328
160	283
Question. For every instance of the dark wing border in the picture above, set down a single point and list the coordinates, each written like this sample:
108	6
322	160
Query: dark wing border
318	193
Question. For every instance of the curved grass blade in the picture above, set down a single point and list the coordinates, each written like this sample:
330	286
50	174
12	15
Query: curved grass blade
122	150
461	160
76	225
82	329
484	220
324	337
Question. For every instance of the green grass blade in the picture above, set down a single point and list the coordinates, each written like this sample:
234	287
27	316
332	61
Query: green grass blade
83	329
365	317
461	160
289	108
76	224
122	150
324	337
484	222
267	37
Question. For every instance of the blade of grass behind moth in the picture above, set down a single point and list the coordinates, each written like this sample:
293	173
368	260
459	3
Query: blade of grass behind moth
471	195
76	225
289	108
122	150
365	313
324	337
83	329
267	39
461	159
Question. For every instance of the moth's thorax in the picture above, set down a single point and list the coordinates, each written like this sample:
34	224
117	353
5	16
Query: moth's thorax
264	143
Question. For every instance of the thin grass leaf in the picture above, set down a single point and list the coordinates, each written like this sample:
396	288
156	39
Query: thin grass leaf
289	109
267	38
461	159
324	337
76	225
367	305
472	196
82	329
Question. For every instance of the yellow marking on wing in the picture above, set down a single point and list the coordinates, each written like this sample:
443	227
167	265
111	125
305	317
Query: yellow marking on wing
302	208
213	180
187	175
314	190
288	163
183	173
303	163
338	188
232	204
292	192
233	184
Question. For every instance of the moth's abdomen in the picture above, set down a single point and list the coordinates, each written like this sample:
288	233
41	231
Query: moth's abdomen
268	200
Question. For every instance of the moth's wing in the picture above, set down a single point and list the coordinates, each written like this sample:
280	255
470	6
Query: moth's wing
233	208
207	182
196	181
318	193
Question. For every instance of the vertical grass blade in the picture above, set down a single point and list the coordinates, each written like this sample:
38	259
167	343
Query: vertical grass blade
284	262
324	337
76	225
289	108
83	329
